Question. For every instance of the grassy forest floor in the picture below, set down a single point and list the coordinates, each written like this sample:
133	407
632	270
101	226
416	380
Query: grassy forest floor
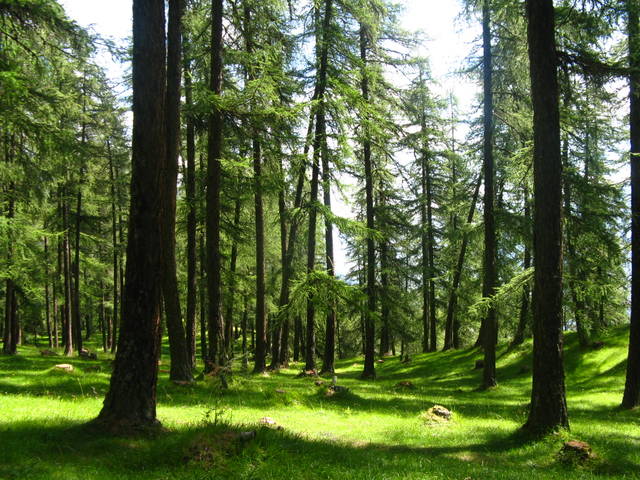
374	431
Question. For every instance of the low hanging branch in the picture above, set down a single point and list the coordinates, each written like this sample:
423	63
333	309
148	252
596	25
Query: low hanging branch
514	287
325	290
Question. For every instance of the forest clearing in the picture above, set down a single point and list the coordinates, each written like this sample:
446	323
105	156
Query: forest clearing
376	430
277	245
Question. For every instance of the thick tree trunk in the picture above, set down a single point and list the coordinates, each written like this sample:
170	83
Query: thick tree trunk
131	400
548	403
190	193
369	319
490	338
180	369
450	325
215	321
631	397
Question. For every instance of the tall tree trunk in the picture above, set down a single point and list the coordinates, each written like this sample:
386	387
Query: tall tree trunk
385	334
54	296
548	403
75	290
433	343
260	354
203	301
245	317
46	292
228	336
579	307
523	317
66	254
449	336
490	339
131	400
288	250
191	219
331	320
322	55
215	321
180	369
369	319
631	397
114	241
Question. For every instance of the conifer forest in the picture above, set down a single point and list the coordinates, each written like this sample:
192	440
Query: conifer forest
266	239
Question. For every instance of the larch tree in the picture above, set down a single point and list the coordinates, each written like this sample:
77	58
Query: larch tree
130	402
548	403
631	397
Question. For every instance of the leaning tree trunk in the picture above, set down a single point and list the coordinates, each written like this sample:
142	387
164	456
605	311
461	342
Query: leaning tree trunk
131	400
631	397
490	338
449	334
548	402
180	369
215	322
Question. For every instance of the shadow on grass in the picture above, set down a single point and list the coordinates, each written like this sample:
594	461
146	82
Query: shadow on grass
68	450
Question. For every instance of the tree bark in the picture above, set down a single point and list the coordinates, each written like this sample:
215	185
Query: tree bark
68	324
215	322
369	319
190	193
548	403
490	339
180	369
228	336
131	400
46	292
631	397
322	55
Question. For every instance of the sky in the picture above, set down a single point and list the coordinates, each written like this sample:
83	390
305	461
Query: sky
448	41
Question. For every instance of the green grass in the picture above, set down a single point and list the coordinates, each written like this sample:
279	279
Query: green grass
375	431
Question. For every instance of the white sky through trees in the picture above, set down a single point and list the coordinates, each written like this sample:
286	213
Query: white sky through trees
448	40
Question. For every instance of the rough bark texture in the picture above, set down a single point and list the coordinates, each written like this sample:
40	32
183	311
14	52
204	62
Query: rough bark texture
548	404
490	338
631	397
131	400
369	319
215	323
180	369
